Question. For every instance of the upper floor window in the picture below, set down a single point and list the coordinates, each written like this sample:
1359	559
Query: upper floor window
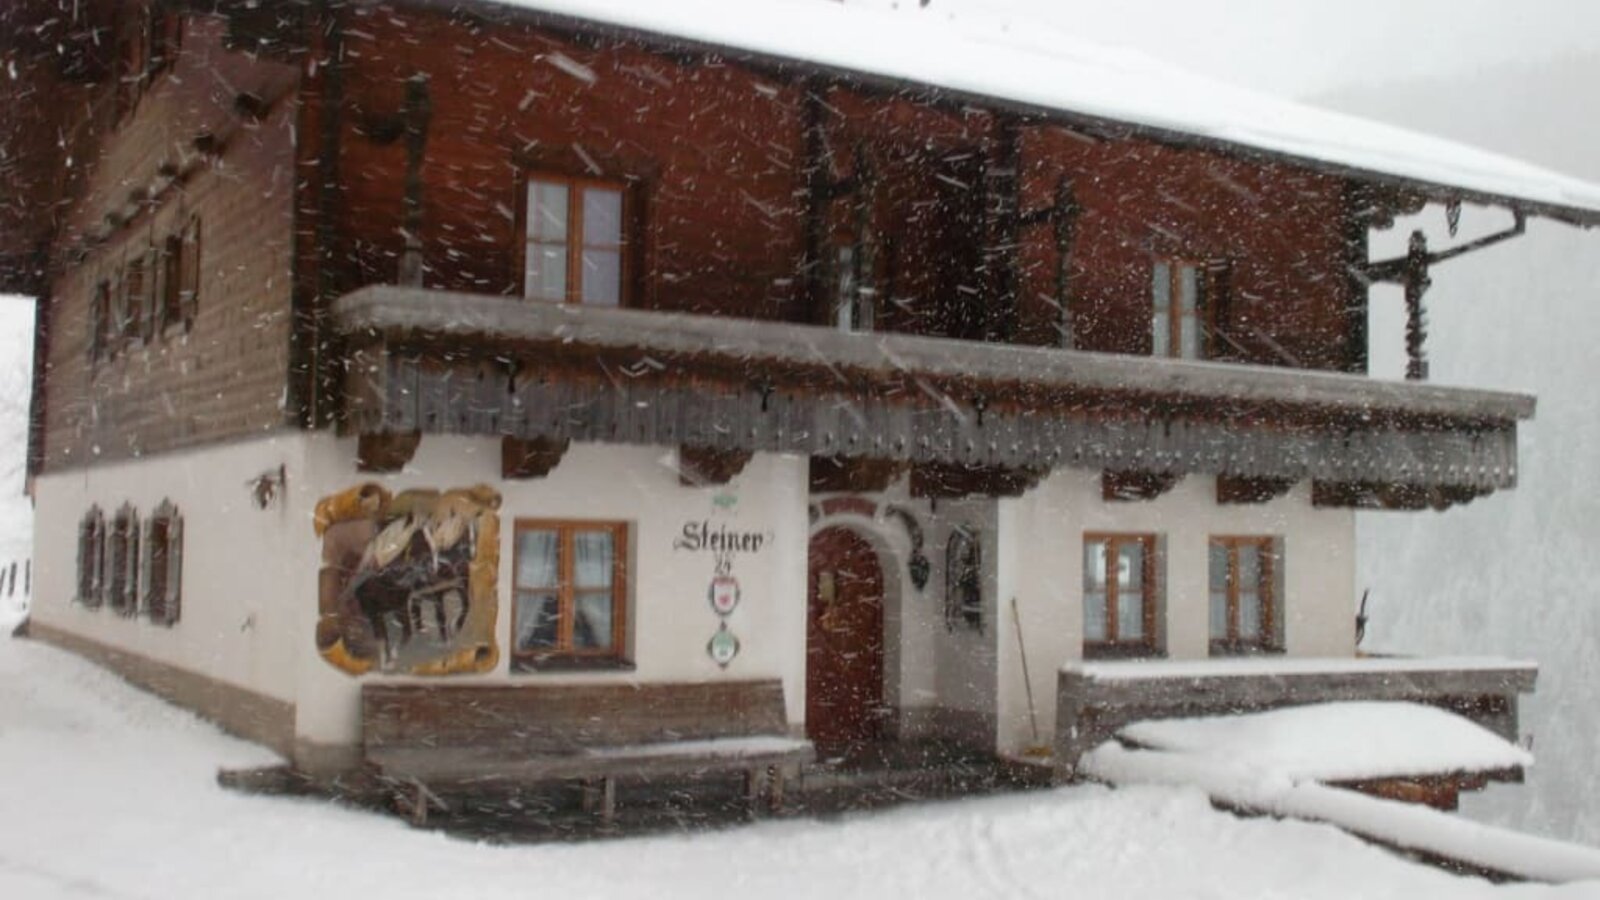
179	281
1175	323
569	594
852	297
576	241
1189	316
1246	611
1119	595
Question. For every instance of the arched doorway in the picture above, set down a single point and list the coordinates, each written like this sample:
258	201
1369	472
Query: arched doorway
844	640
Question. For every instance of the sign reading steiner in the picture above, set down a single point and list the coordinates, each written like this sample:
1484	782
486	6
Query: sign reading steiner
703	537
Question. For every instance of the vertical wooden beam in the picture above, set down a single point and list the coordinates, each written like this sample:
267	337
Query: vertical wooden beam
1355	250
1416	285
1064	222
1002	190
42	308
866	255
312	384
818	180
418	112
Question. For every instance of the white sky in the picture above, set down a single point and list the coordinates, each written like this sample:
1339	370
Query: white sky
1303	47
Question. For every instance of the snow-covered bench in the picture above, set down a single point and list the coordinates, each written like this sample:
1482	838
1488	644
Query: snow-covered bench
427	737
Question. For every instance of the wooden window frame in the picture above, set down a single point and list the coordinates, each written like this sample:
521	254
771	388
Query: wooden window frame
1268	640
963	587
564	655
1176	266
122	561
161	569
100	319
190	273
91	558
1112	647
136	296
575	246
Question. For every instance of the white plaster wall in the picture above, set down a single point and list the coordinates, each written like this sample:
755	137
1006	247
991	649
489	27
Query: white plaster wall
238	622
1042	567
671	620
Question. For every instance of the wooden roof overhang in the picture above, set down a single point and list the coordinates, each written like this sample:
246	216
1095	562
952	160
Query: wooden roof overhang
436	362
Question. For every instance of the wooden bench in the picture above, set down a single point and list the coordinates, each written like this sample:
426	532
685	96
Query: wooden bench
431	736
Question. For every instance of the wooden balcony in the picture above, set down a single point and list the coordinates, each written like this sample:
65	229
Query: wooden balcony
447	363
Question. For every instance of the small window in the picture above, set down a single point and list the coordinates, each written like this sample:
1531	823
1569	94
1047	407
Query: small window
963	598
169	302
189	274
122	555
1246	613
162	565
1175	316
135	292
91	550
1119	595
570	603
576	241
100	321
852	299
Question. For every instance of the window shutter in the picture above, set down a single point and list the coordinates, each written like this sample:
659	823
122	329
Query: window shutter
189	268
130	568
1216	309
85	560
149	302
101	563
142	604
1280	608
174	570
97	318
1156	571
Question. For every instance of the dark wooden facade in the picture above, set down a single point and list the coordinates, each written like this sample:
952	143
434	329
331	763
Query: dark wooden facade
326	147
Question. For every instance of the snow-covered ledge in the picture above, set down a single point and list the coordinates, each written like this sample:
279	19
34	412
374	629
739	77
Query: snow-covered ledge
1096	699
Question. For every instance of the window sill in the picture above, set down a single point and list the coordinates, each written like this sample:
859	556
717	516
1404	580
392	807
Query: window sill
525	665
1122	651
1240	648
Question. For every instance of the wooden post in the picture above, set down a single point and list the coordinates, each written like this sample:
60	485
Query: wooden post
864	305
1002	192
819	177
1416	285
1064	220
417	114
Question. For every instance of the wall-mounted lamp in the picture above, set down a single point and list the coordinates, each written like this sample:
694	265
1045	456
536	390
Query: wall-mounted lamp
268	486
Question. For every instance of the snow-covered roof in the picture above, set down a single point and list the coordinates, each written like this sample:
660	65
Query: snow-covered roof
1047	71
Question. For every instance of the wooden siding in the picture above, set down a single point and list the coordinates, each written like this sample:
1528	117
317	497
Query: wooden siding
745	176
224	378
726	178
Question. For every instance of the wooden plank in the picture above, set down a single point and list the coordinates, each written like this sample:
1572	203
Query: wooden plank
566	718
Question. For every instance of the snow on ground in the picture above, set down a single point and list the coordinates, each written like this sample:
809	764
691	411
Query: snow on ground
107	792
1244	786
16	355
1338	741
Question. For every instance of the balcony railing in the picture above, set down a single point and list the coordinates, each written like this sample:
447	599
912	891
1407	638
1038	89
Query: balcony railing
435	362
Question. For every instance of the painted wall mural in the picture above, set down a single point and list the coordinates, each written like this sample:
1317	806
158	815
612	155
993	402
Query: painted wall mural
408	580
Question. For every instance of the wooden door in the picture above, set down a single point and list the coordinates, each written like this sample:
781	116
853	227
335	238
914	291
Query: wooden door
844	640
